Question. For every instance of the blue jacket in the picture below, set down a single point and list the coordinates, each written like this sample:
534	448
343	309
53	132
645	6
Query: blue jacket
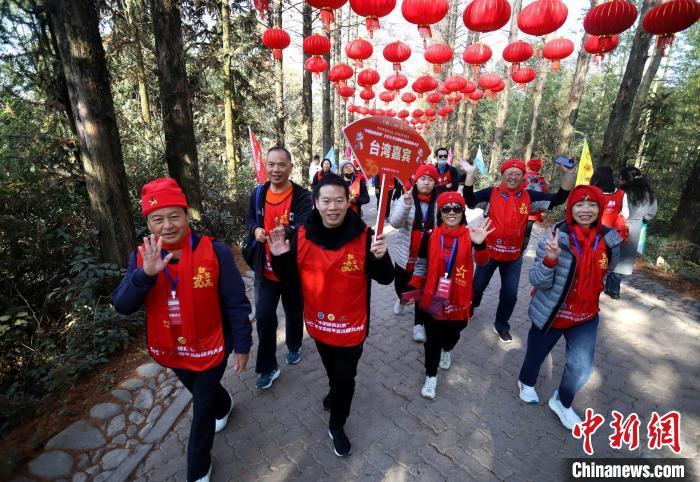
235	307
552	284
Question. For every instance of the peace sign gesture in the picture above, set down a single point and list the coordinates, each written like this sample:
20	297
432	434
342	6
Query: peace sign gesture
150	253
408	197
480	233
552	247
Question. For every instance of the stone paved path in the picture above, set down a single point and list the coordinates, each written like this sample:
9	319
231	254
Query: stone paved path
476	429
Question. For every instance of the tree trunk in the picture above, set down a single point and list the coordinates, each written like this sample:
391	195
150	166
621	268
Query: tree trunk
135	21
686	222
538	91
180	143
276	15
231	154
505	95
462	139
75	25
307	125
337	102
612	152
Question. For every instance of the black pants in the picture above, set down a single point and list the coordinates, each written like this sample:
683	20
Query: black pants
401	280
209	401
267	297
341	368
528	231
440	335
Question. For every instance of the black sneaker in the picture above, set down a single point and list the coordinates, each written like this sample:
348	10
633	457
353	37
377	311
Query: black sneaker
341	443
327	402
615	296
503	335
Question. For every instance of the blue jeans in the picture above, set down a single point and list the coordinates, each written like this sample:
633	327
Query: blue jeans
510	277
580	349
612	283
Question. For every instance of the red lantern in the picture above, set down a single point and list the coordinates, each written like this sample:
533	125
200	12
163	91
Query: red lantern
379	111
373	10
408	97
317	45
667	19
438	54
367	94
477	54
359	50
417	113
364	110
424	13
395	82
386	96
430	112
599	46
443	90
397	52
434	98
368	78
523	75
454	97
403	114
557	49
476	96
610	18
346	92
469	87
489	81
316	65
261	6
327	7
424	84
340	73
486	15
517	52
391	113
276	40
455	83
542	17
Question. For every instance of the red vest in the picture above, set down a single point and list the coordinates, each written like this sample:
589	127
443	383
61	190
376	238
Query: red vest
509	218
613	208
198	343
355	193
444	179
275	214
334	286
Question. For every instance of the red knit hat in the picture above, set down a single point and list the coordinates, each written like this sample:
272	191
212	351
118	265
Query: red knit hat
582	193
161	193
426	170
513	163
534	164
450	197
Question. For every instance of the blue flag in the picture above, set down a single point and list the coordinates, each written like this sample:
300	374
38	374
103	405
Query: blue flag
479	162
330	155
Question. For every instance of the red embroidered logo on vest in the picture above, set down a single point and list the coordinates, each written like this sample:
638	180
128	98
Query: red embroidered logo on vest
202	279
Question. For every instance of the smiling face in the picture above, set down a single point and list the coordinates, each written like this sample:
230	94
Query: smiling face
169	223
348	170
451	214
512	178
332	205
425	184
278	167
585	212
326	165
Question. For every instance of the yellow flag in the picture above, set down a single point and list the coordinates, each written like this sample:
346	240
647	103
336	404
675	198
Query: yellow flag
585	166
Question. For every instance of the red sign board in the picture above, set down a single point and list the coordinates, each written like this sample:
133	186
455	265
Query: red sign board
258	163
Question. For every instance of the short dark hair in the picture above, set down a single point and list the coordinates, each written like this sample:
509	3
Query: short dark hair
442	149
280	149
316	156
330	180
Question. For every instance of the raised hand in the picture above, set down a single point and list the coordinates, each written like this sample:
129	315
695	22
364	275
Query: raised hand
569	177
480	233
552	248
379	246
408	198
150	253
278	244
469	168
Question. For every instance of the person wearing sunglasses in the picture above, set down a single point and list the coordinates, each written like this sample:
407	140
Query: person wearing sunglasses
444	273
508	205
448	176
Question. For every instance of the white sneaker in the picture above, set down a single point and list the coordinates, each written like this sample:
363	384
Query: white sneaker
445	360
221	423
528	393
428	390
419	333
398	307
206	477
567	416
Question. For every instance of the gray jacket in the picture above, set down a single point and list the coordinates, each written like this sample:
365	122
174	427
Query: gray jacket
552	284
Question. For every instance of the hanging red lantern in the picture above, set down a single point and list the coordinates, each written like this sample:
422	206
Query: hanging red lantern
610	18
599	46
434	98
454	97
489	81
276	40
379	111
438	54
523	75
367	94
408	97
517	52
368	78
669	18
424	13
316	65
395	82
477	54
468	88
386	96
542	17
430	112
455	83
359	50
317	44
391	113
486	15
262	6
442	89
556	50
403	114
340	73
424	84
476	96
327	7
417	113
346	92
372	10
397	52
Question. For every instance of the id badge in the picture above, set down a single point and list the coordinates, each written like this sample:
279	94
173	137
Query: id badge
443	288
174	313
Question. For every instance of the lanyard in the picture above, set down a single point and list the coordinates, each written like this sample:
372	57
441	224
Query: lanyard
453	255
578	248
173	282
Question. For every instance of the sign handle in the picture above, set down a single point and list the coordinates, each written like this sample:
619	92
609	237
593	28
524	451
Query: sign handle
381	212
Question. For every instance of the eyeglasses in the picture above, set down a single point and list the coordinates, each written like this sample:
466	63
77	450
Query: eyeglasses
451	209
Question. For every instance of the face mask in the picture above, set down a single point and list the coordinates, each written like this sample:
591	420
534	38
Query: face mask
442	163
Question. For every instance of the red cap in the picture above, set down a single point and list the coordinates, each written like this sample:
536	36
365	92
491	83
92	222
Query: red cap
450	197
426	170
513	163
161	193
534	164
582	193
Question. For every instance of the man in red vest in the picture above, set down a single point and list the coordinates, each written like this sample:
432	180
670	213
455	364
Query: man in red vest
508	205
448	177
334	253
196	311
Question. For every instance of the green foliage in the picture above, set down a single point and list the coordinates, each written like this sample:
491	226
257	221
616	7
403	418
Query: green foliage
680	257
